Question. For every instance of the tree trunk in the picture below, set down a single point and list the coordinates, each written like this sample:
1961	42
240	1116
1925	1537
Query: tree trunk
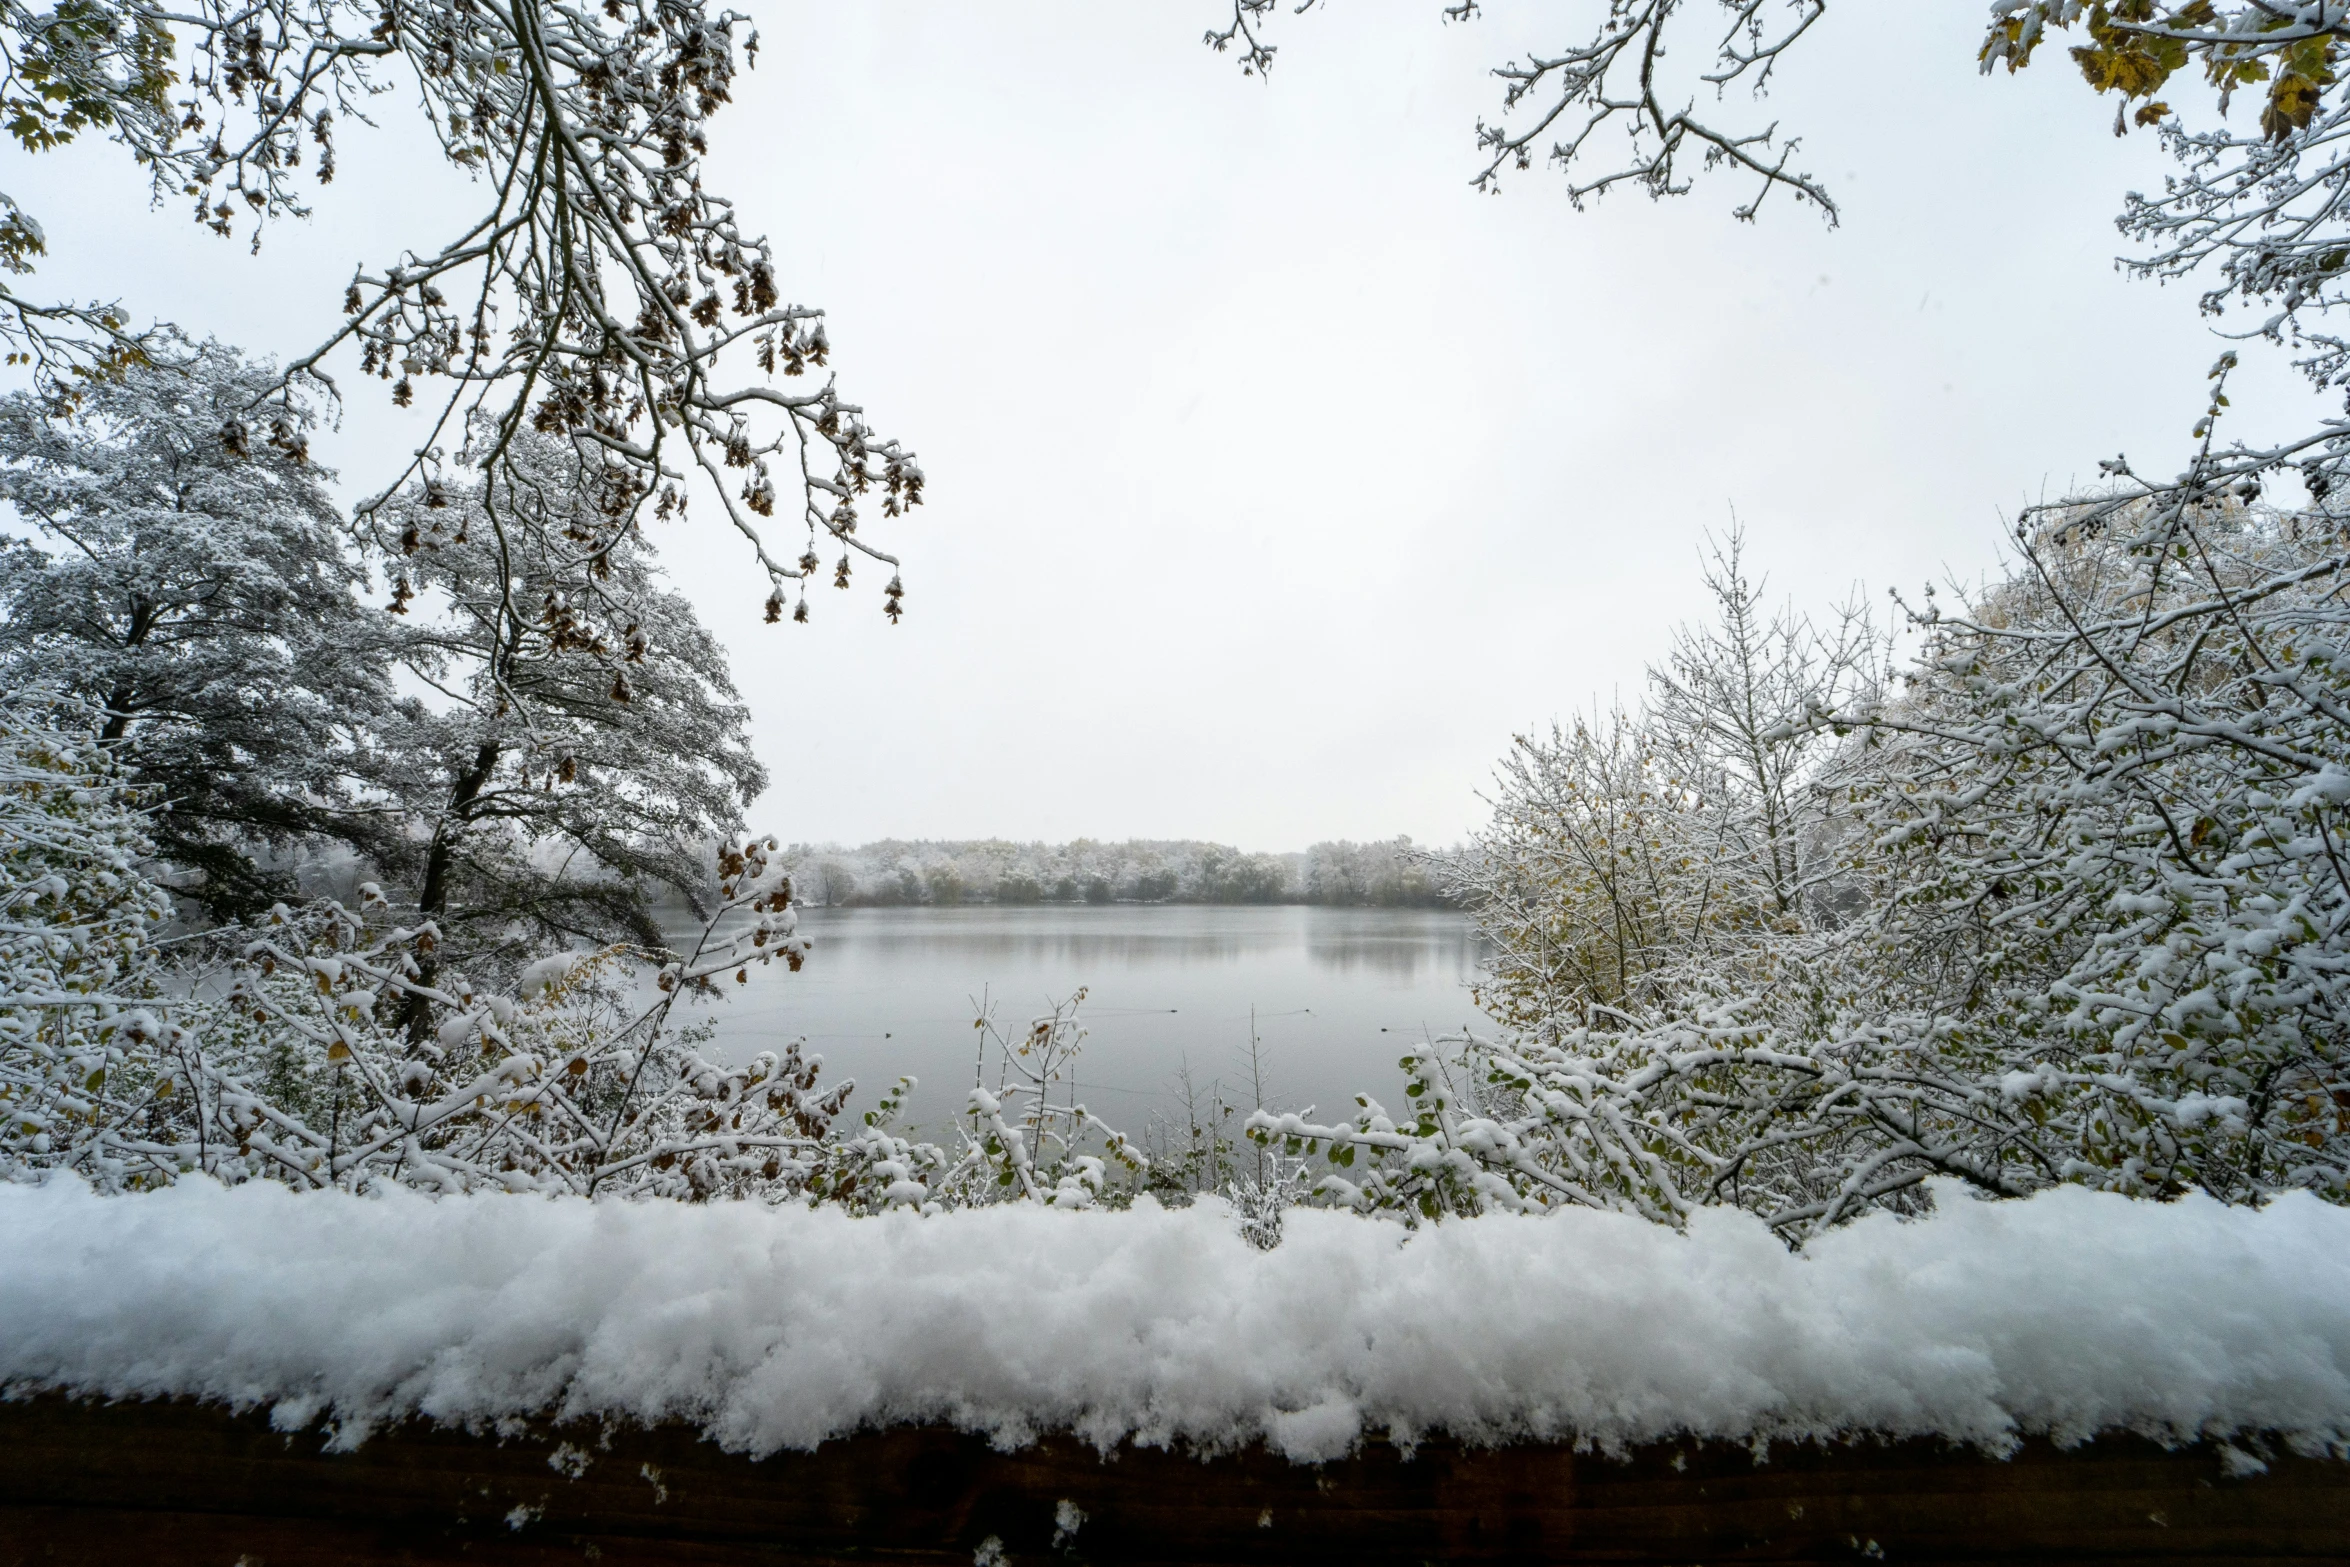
432	899
118	715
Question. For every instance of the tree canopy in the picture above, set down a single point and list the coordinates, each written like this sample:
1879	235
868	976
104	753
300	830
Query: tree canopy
586	747
199	588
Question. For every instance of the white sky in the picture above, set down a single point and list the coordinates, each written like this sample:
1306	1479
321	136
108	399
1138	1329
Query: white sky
1277	478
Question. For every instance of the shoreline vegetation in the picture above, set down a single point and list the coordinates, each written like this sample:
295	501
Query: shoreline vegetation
950	873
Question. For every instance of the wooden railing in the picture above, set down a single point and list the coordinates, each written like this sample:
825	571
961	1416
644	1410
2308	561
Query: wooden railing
167	1484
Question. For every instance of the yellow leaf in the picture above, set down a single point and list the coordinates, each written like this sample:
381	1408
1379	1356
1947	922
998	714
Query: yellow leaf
2126	68
2292	103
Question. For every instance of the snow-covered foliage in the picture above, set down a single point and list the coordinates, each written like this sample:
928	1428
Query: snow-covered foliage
1198	1145
1031	1145
575	1085
2074	906
584	749
2116	807
199	586
2068	1314
891	872
326	1057
81	1017
1024	1135
338	1050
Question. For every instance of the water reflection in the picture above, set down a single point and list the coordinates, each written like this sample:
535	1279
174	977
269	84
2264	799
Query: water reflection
1171	987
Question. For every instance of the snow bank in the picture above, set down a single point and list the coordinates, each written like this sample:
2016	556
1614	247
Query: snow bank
2068	1314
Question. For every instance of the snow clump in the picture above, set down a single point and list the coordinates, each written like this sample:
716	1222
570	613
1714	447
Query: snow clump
2066	1314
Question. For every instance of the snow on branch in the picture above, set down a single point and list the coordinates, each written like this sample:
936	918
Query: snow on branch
598	291
2064	900
1609	109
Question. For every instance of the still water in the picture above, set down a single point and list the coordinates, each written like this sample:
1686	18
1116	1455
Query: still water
1336	992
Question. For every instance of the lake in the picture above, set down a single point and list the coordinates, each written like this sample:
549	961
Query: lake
1336	993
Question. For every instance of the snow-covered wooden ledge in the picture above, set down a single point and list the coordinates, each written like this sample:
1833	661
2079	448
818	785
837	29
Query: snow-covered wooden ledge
390	1378
174	1484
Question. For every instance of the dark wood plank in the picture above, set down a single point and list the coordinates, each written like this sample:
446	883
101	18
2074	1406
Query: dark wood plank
182	1485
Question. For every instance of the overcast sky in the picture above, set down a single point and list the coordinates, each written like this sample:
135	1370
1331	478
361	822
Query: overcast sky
1276	477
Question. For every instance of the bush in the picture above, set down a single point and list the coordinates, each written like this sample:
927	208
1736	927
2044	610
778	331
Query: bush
2070	902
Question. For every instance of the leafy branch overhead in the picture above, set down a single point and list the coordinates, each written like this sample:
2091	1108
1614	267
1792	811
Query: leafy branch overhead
2136	46
600	293
2259	208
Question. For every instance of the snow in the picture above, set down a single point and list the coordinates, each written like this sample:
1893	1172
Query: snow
548	972
2068	1313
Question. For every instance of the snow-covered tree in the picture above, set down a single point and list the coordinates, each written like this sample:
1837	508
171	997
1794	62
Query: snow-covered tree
2090	922
1387	874
299	1069
586	744
1628	849
298	1064
193	579
1390	873
303	1061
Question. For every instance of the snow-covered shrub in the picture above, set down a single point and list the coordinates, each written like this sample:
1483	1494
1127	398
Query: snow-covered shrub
82	1013
2115	810
1200	1148
1631	852
576	1084
2071	906
1018	1142
329	1052
305	1066
1015	1141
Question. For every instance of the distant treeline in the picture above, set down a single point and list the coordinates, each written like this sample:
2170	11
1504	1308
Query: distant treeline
897	872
